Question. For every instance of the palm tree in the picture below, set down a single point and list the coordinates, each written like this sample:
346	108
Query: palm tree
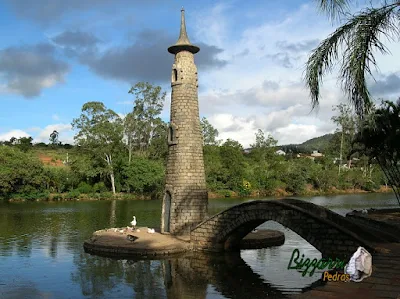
379	139
353	44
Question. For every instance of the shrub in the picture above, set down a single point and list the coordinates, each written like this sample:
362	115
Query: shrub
33	196
57	197
106	195
99	187
370	186
295	183
84	187
74	194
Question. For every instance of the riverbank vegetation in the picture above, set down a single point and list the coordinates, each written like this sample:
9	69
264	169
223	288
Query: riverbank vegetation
126	158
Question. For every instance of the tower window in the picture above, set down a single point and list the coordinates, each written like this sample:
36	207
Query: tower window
171	134
174	75
172	138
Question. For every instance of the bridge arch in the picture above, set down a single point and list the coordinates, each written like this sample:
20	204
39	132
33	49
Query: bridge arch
225	230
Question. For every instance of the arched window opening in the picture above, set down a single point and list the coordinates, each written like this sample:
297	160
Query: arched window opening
167	211
171	136
174	75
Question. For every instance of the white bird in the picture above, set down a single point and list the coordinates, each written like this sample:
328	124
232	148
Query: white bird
133	222
115	229
254	230
121	231
151	230
364	211
138	230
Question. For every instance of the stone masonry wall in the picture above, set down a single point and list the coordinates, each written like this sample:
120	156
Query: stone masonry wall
225	230
185	177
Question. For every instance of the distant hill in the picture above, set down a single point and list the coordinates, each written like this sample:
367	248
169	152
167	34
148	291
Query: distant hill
318	143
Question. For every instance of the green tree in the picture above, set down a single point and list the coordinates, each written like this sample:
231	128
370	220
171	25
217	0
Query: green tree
215	175
359	36
100	132
59	179
379	139
264	147
210	133
267	165
345	120
232	160
19	172
144	176
158	149
54	137
25	143
141	124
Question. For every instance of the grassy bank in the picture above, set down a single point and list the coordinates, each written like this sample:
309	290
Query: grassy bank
74	195
308	192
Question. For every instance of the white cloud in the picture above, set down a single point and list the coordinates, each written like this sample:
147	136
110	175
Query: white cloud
262	87
42	134
122	115
13	133
298	133
55	117
277	123
232	127
64	131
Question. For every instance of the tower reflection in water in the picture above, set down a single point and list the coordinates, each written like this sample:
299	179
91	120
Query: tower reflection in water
193	275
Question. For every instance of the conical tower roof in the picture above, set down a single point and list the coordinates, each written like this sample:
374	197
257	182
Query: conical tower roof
183	43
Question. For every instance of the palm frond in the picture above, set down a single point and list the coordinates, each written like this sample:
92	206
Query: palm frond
358	56
333	8
360	35
322	59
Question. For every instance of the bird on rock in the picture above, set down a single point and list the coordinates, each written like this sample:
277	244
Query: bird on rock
133	222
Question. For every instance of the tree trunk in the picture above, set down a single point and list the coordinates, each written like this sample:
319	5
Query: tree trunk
112	181
341	151
112	214
129	150
108	159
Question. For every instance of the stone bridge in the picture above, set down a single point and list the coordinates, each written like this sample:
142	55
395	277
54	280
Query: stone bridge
332	234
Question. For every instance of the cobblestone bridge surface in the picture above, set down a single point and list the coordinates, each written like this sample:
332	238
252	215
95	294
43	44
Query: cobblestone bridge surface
330	233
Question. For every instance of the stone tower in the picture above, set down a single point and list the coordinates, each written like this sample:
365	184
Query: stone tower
185	196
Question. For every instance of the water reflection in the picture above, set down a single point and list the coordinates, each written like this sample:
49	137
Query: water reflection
41	253
189	276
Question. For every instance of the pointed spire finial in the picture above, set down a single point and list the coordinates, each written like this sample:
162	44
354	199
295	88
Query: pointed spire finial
183	42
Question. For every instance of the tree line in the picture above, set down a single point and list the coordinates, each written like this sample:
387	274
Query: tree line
115	156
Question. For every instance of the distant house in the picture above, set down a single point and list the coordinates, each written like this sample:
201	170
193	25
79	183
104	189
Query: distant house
316	154
247	150
280	152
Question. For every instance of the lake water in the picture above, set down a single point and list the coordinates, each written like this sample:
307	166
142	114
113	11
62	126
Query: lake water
41	254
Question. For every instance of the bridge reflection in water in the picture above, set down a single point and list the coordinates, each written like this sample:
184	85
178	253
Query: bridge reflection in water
228	274
193	275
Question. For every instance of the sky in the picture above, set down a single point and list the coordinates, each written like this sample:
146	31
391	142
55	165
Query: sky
57	55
